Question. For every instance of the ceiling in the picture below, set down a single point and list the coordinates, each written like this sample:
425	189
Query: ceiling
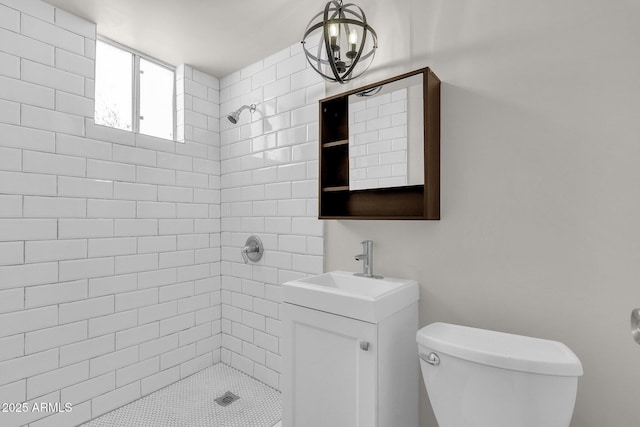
217	37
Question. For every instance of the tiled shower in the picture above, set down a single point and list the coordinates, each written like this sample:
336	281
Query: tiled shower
269	174
120	265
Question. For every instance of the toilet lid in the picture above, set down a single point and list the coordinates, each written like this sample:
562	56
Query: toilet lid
515	352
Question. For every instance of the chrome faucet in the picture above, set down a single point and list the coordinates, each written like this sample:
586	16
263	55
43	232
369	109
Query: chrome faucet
367	257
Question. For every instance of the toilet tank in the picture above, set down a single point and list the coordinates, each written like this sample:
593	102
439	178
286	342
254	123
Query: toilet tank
493	379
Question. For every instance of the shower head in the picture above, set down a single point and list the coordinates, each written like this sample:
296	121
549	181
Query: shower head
233	117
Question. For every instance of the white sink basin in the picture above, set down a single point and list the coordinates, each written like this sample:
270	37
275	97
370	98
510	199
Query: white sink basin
362	298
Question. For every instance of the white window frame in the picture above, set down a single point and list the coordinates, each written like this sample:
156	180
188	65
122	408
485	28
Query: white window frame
135	87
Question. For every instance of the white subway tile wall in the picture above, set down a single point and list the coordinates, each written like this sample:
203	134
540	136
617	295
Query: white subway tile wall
378	141
269	188
109	240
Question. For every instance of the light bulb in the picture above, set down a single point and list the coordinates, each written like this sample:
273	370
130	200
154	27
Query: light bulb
333	30
353	39
353	36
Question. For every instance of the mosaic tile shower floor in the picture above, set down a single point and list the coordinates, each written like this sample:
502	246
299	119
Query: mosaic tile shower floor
191	403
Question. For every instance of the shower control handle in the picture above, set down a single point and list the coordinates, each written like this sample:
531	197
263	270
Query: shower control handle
432	359
252	250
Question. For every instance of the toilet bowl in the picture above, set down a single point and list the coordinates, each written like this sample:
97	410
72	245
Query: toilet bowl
480	378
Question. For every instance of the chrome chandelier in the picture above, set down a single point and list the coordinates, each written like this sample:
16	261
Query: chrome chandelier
346	43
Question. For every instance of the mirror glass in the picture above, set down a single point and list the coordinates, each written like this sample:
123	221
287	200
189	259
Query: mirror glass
386	135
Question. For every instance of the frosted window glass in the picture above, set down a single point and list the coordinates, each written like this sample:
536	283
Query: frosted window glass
114	97
156	100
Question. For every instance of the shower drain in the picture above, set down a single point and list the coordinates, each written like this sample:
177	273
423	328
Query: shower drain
227	399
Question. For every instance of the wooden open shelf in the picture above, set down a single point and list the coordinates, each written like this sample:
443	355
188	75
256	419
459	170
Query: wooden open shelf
339	188
335	143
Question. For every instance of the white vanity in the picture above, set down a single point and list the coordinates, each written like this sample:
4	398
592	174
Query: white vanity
349	352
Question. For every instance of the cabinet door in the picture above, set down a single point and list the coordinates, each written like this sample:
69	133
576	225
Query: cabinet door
329	380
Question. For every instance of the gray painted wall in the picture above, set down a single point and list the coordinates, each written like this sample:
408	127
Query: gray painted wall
540	149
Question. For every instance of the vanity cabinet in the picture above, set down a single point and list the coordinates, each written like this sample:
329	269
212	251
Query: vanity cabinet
344	372
380	150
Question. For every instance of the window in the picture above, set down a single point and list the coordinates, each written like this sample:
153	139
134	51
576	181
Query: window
134	92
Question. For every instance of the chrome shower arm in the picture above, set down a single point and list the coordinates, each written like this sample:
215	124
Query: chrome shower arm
233	117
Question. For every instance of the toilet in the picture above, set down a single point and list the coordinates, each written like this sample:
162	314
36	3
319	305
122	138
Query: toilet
480	378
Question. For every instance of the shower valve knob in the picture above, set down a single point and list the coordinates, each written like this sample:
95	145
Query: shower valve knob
252	250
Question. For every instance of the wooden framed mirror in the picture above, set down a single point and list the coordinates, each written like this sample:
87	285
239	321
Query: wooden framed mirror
380	150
